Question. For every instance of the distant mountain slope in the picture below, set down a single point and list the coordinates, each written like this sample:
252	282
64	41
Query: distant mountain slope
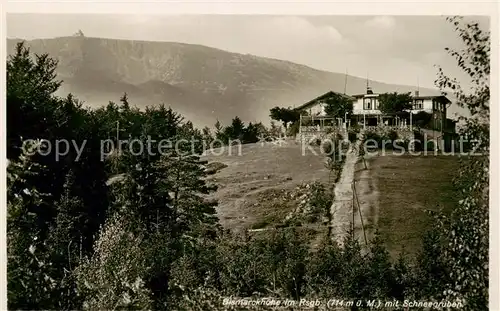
200	82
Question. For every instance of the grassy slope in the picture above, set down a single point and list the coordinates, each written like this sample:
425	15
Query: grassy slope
408	185
254	188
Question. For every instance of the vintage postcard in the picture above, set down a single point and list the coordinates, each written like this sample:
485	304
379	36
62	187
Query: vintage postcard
247	159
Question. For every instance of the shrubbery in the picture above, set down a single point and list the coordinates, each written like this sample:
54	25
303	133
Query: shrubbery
352	135
387	140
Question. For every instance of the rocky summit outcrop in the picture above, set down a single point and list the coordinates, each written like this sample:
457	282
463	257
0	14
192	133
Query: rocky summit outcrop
202	83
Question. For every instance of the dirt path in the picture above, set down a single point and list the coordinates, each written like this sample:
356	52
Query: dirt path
341	209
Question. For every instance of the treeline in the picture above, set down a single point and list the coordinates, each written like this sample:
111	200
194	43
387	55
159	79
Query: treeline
237	131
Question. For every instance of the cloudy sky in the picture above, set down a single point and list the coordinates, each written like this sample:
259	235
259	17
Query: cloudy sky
394	49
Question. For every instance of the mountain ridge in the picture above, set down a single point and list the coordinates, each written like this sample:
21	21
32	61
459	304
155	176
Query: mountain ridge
202	83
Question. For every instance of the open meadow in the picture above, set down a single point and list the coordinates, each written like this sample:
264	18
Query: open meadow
253	188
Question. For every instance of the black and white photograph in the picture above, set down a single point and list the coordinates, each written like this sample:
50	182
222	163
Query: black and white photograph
160	161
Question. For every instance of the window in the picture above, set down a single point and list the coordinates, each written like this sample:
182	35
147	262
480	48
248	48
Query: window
367	104
437	105
375	104
419	104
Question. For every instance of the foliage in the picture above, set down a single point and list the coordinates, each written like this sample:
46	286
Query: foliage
338	106
285	115
352	135
275	130
271	264
49	235
320	202
235	130
395	103
432	270
465	231
293	129
422	119
474	61
113	278
27	270
238	132
48	119
382	138
218	130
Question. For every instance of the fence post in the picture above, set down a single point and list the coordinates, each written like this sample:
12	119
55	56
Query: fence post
353	227
300	124
359	211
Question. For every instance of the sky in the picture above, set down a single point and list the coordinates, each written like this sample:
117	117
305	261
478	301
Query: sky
392	49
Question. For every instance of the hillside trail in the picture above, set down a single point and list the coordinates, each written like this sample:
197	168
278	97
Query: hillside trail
360	208
341	209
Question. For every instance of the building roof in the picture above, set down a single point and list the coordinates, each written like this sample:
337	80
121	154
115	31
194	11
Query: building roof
414	97
431	97
312	102
363	95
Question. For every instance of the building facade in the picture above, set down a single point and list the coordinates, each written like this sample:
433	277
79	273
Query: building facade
366	112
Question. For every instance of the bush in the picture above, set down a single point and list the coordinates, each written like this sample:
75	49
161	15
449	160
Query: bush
328	147
371	136
114	276
273	262
393	135
418	140
293	129
320	202
430	146
352	136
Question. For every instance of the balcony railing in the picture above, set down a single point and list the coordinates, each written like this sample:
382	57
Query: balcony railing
387	127
317	128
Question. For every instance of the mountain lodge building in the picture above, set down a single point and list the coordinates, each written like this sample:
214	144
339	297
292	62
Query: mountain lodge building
366	112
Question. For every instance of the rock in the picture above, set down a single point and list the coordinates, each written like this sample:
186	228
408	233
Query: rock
214	167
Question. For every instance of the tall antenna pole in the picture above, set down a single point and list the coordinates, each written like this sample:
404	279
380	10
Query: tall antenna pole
345	82
367	80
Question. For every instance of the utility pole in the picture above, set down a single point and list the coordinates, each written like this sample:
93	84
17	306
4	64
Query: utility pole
117	131
441	112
